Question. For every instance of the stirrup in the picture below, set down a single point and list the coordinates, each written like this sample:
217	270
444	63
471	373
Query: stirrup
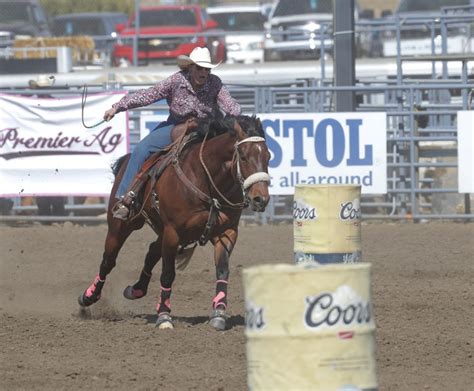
120	211
128	198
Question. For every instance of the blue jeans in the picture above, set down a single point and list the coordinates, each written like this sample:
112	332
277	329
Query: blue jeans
154	142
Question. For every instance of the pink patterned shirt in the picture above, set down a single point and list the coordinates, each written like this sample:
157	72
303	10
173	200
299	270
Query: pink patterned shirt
181	97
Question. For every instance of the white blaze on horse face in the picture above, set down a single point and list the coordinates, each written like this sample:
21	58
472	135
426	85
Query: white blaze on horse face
255	180
249	179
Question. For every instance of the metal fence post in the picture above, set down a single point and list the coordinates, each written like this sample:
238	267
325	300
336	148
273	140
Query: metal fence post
344	53
137	33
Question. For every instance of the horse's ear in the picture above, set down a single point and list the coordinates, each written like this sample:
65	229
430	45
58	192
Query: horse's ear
238	129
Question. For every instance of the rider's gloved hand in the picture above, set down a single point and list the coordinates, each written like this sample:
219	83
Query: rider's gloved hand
109	114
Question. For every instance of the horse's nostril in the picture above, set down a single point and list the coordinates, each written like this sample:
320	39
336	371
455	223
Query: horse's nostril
259	203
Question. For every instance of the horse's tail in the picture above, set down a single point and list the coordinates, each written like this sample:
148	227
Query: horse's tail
118	163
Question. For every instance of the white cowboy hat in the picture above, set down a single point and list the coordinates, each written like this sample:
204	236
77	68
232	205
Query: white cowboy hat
199	56
42	81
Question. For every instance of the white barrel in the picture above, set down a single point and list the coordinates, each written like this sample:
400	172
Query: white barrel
327	224
309	328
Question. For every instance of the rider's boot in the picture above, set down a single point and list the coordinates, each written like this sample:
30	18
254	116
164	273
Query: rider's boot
123	207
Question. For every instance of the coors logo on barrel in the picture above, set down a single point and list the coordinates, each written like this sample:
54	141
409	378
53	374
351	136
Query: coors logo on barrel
350	210
303	211
344	307
254	317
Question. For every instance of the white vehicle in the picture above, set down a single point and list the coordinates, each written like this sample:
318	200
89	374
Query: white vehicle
243	25
300	29
415	25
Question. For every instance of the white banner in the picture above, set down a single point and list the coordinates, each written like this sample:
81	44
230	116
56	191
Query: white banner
45	150
327	148
466	151
319	148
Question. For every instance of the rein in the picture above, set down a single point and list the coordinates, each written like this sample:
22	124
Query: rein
244	183
215	204
83	105
239	205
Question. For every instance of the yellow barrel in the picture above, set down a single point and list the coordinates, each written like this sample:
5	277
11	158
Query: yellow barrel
309	328
326	221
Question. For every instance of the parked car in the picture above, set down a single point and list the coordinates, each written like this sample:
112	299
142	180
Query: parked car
167	32
244	26
416	32
22	19
298	29
101	26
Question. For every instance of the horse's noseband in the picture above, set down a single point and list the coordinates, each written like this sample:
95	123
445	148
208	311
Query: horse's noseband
246	183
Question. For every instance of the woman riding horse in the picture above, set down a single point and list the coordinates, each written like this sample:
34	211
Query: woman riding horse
197	198
193	91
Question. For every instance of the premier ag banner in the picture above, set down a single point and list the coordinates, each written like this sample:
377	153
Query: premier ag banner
45	149
327	148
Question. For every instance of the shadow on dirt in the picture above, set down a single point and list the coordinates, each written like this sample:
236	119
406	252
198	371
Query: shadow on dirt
232	321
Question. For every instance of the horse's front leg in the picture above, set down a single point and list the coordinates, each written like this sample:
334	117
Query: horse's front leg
140	288
223	246
168	274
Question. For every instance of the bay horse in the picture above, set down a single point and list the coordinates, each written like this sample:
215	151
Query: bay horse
198	197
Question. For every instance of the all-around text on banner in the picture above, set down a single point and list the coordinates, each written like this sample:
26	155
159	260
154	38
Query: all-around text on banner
45	149
327	148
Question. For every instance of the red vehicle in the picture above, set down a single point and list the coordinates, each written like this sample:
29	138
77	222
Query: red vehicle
167	32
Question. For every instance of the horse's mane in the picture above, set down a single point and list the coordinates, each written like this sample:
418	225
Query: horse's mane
219	124
118	163
216	125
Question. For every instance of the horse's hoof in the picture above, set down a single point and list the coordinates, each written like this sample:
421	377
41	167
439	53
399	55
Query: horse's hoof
218	323
164	322
85	301
165	326
132	294
218	320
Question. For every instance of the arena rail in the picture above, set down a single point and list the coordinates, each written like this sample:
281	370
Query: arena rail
421	146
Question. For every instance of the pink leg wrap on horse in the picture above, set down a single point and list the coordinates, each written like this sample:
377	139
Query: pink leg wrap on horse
164	305
90	291
220	299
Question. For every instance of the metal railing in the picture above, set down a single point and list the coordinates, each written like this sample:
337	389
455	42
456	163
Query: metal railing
421	143
421	134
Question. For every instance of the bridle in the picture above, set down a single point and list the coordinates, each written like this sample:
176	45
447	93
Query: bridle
256	177
245	183
215	204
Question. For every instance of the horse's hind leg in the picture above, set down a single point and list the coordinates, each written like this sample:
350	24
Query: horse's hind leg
139	289
116	236
223	246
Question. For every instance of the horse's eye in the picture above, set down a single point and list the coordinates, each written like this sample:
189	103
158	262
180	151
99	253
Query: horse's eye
243	158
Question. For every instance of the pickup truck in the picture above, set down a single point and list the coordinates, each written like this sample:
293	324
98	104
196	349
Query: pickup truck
300	29
22	19
167	32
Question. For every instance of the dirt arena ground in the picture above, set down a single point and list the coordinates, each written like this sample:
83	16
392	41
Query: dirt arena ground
423	296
